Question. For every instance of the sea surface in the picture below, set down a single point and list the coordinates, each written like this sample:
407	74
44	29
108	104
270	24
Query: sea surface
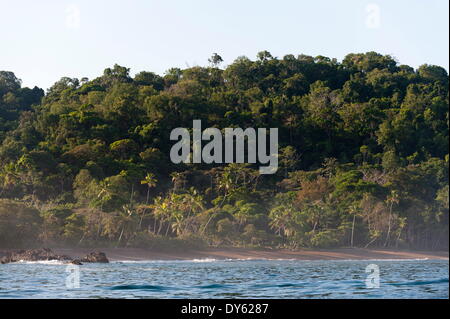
209	278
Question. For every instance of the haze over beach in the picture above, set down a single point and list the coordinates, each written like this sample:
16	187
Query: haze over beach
224	150
139	254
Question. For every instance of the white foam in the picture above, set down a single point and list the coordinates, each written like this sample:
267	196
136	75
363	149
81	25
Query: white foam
146	261
129	261
43	262
203	260
210	260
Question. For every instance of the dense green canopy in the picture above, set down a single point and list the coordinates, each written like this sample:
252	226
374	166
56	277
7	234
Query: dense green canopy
363	156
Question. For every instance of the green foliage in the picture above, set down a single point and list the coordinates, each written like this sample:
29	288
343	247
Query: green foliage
19	224
363	156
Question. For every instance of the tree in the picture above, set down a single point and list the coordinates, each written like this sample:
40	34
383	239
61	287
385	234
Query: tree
392	199
114	75
353	211
9	82
363	155
264	56
433	73
215	60
150	180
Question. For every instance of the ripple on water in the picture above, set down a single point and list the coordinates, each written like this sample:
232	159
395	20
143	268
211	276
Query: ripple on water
225	279
139	287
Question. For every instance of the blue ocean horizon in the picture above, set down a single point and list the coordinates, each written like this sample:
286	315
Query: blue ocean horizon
233	278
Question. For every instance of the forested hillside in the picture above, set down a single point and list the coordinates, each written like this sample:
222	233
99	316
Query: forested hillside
363	156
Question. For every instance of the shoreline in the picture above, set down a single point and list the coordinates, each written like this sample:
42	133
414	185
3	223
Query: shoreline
141	254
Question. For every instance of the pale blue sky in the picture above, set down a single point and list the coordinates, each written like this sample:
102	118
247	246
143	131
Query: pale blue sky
42	41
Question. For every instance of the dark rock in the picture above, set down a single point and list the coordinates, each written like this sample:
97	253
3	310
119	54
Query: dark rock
31	255
95	257
44	254
76	262
4	259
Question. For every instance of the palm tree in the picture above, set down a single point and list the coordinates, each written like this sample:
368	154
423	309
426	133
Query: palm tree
225	183
280	217
125	219
392	199
160	213
354	211
194	203
150	180
243	211
177	223
104	194
178	178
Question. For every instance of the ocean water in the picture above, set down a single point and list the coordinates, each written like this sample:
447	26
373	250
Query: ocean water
211	278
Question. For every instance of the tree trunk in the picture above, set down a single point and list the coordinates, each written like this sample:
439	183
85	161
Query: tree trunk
370	242
398	238
207	223
154	224
140	221
167	229
148	195
132	193
120	237
82	237
353	229
389	228
160	227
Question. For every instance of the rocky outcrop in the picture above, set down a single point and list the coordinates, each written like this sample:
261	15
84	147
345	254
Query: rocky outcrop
42	254
45	254
95	257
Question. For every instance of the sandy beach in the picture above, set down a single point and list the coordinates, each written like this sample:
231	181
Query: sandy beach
138	254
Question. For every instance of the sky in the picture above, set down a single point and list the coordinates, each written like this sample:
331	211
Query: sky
42	41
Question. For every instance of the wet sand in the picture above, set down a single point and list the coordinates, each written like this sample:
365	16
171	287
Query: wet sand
139	254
